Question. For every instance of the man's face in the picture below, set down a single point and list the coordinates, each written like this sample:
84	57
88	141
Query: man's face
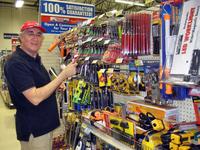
31	40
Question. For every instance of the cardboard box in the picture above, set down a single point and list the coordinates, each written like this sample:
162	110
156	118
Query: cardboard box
160	112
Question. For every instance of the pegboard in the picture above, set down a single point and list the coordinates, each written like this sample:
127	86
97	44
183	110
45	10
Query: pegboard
185	109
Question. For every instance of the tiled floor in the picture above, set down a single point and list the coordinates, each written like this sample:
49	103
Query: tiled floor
8	139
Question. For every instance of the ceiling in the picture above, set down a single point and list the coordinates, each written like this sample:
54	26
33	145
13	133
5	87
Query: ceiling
101	6
31	3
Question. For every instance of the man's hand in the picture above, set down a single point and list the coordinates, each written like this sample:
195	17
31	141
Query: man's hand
70	69
62	87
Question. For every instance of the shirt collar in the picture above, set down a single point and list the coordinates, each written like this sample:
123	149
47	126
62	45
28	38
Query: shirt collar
26	56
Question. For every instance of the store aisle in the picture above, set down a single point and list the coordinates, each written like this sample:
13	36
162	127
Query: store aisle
7	128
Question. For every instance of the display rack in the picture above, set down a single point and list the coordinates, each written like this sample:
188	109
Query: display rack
105	137
185	107
3	85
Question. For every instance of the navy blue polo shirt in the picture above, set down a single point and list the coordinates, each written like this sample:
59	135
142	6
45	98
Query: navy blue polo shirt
23	72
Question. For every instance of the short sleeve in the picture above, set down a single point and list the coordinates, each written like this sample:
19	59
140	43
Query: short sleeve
19	76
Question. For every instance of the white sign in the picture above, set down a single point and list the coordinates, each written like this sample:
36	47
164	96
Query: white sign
187	37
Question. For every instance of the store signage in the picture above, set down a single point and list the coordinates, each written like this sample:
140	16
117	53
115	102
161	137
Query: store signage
57	25
10	35
188	39
60	16
63	8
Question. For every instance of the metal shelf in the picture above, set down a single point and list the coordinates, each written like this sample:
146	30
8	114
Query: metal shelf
105	137
181	83
149	57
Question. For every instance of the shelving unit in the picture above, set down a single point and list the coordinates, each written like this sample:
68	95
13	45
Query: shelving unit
185	108
105	137
4	93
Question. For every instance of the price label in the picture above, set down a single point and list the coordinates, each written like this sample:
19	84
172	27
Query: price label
110	70
119	60
79	42
100	39
102	70
94	39
89	39
138	63
87	58
94	61
119	13
106	41
87	131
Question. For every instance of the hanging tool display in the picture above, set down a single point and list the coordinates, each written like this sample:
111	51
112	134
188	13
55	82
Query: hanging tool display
64	51
81	96
170	25
112	53
70	91
92	47
166	89
120	83
92	89
156	25
101	98
151	80
95	39
65	43
136	37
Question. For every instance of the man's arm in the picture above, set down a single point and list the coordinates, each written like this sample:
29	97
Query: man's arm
37	95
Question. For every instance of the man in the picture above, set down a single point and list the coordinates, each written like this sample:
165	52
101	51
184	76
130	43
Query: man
32	91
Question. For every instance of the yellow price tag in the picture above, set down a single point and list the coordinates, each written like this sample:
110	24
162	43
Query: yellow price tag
110	70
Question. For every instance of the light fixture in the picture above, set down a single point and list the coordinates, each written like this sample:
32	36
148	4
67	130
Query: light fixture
19	3
130	3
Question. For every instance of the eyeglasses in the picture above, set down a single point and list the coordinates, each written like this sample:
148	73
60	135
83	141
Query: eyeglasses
32	34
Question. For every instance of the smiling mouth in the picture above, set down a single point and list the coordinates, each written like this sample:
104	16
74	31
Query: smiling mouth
35	44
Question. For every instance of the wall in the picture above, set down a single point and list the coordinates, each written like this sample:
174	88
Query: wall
11	20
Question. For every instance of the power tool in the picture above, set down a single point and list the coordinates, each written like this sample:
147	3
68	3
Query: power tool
184	137
150	142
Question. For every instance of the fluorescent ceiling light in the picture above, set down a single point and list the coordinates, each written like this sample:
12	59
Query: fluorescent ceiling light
130	2
19	3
